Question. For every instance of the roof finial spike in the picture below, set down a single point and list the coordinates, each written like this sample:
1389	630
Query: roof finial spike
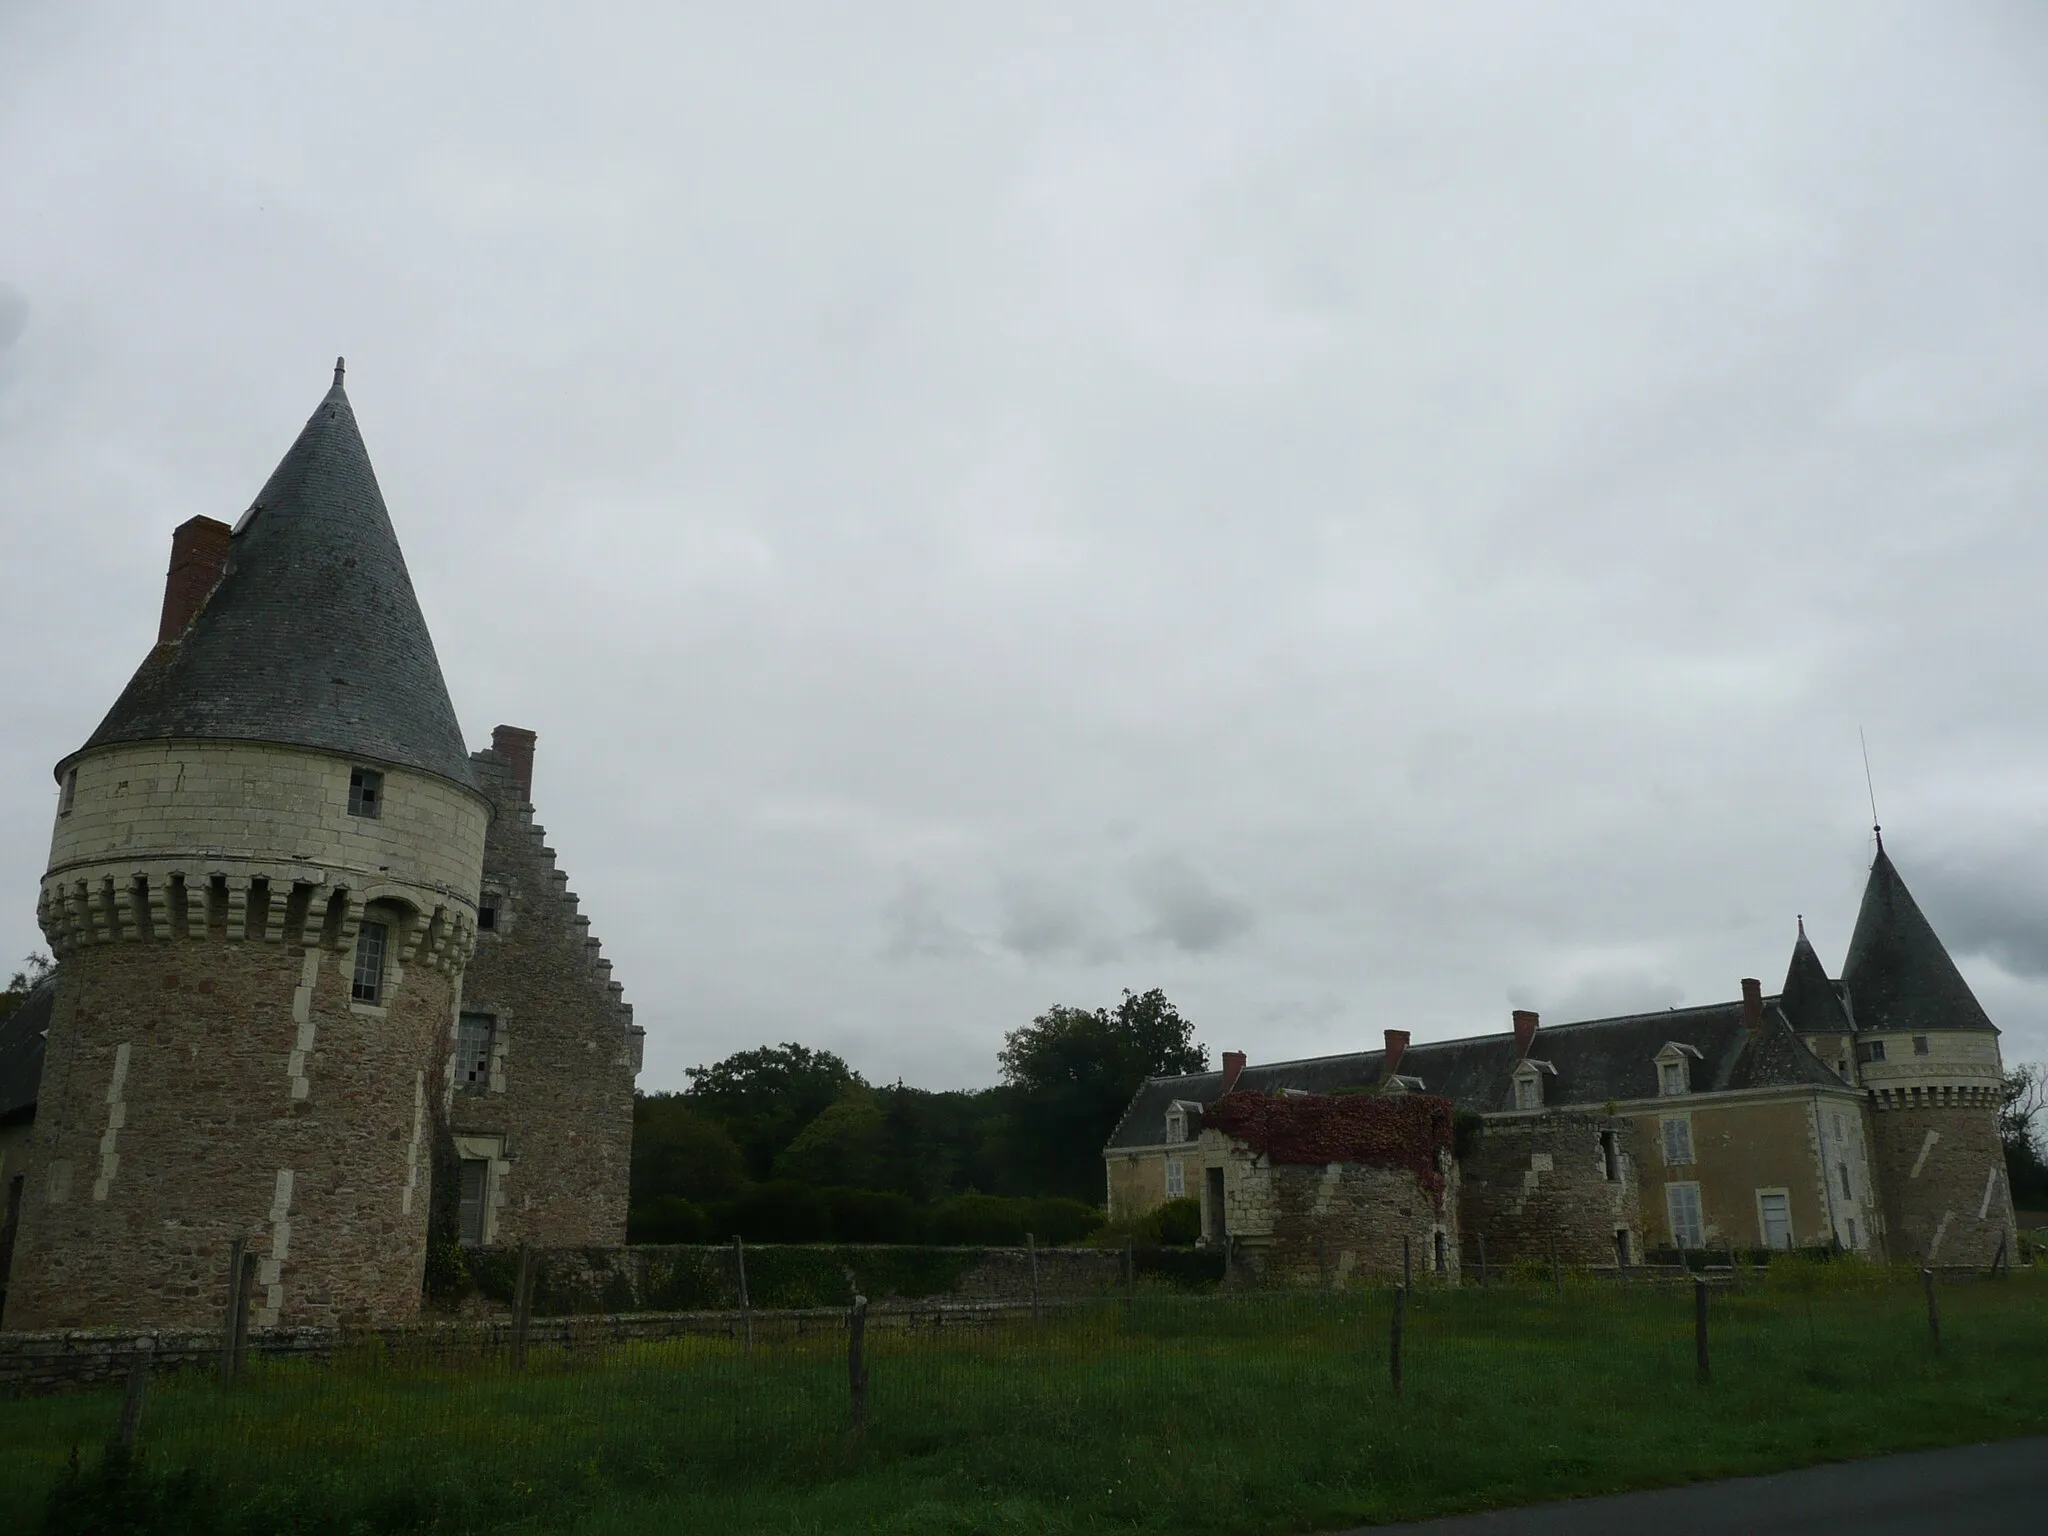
1802	927
340	367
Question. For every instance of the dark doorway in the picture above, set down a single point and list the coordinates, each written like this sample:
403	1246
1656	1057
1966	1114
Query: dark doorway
1621	1246
1215	1229
8	1228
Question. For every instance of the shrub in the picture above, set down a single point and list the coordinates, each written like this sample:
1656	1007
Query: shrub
447	1278
1056	1220
1178	1223
986	1219
776	1212
667	1219
873	1216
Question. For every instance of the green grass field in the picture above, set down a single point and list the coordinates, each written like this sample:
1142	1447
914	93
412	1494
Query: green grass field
1239	1414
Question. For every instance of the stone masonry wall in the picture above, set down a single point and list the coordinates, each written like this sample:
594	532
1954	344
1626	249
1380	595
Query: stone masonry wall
1534	1180
560	1091
198	1089
1941	1171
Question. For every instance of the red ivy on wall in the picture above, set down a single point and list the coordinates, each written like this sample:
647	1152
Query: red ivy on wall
1404	1130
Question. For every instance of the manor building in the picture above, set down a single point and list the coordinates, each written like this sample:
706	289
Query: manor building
321	996
1857	1113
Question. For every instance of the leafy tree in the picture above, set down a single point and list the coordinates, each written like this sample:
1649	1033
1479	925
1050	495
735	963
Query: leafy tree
845	1145
1073	1072
34	968
2023	1094
680	1153
763	1097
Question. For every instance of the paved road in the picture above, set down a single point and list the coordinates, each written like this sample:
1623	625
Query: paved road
1970	1490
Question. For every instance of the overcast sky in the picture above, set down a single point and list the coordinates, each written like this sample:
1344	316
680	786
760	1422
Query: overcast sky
1359	516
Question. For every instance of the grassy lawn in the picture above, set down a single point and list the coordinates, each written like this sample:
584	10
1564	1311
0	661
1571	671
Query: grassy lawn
1247	1414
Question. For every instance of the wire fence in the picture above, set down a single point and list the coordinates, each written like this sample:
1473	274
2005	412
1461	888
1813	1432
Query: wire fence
767	1397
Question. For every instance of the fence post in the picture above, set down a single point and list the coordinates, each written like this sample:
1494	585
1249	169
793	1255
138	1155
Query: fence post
1699	1326
234	1331
1482	1258
1130	1276
1999	1265
522	1306
1933	1308
856	1361
1556	1269
739	1259
131	1400
242	1312
1031	1251
1394	1333
1407	1263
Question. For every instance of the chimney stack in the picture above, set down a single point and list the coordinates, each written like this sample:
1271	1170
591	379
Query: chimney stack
514	748
1397	1046
1233	1069
199	557
1753	1005
1525	1033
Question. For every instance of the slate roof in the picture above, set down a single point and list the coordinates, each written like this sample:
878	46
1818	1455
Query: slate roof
313	637
22	1036
1593	1061
1811	1002
1898	974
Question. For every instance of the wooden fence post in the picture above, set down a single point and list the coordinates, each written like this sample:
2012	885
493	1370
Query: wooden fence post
1407	1264
1130	1276
234	1319
131	1400
856	1361
1699	1327
1999	1264
1556	1269
1395	1331
522	1306
1933	1308
739	1259
1031	1251
1482	1258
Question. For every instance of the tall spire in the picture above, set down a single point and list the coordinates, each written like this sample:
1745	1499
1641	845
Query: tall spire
1808	999
1898	972
314	637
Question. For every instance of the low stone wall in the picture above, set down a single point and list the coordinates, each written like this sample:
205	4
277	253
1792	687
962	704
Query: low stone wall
571	1282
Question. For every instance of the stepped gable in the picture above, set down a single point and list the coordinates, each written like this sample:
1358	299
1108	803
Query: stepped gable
314	637
23	1034
1810	1002
1898	973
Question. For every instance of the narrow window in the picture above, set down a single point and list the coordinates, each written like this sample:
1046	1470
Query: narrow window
1682	1206
1677	1139
368	983
476	1182
474	1036
1176	1179
69	794
365	792
1674	1077
1774	1215
1853	1243
1843	1170
487	914
1919	1045
1443	1258
1610	1159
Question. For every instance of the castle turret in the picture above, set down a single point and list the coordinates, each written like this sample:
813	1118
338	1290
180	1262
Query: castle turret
1928	1056
262	892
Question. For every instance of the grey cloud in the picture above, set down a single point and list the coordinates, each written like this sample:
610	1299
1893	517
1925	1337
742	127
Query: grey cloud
1042	919
915	927
13	315
1186	908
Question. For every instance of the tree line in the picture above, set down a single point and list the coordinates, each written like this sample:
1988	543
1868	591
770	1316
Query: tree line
785	1143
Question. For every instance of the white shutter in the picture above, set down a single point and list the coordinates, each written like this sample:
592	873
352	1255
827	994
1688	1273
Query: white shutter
1682	1205
1677	1140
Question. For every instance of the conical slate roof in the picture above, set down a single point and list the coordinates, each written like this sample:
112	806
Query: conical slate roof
313	637
1898	973
1809	1001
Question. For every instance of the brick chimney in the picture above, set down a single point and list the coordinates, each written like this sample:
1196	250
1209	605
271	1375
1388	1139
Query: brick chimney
1753	1005
1397	1046
514	748
199	556
1525	1033
1233	1069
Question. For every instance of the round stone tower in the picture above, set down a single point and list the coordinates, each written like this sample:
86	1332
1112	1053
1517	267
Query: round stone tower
1928	1056
261	893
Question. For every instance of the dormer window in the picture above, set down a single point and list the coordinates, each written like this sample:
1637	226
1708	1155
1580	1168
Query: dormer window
1674	1070
365	793
1528	1091
1176	1125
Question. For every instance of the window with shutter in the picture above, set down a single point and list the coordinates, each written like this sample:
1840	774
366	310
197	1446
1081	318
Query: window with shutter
1682	1206
1677	1140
